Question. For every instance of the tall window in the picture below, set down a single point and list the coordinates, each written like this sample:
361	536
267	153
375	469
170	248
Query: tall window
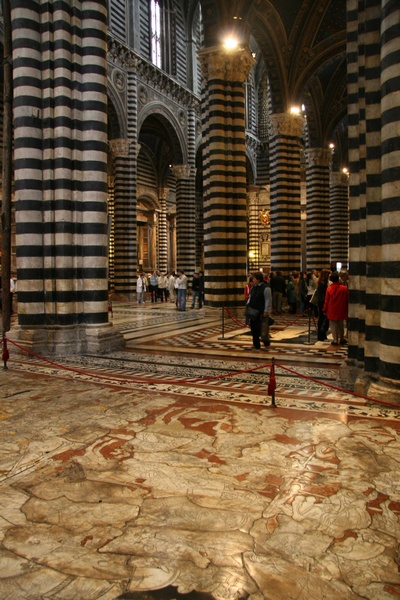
155	16
163	35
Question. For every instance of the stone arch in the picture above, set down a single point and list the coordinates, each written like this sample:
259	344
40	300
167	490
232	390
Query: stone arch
116	113
171	126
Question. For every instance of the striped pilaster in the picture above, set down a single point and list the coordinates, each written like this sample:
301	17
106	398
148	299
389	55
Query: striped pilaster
224	174
374	120
339	218
162	232
286	130
317	208
124	222
60	133
185	218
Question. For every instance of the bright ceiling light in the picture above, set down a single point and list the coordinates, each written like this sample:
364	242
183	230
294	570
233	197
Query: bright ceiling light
230	43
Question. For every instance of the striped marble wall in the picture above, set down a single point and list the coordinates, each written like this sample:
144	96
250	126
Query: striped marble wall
60	132
374	118
224	180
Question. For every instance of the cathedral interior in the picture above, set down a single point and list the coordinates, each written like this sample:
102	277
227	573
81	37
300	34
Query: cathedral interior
144	452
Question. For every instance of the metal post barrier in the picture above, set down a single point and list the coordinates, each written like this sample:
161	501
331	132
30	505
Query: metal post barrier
308	342
223	323
272	383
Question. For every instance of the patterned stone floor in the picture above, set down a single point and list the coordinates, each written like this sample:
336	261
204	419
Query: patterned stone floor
163	471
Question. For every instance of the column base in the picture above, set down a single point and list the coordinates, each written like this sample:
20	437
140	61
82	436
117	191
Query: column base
66	341
353	377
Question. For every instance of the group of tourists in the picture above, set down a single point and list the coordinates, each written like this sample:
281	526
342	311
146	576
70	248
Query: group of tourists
170	287
323	292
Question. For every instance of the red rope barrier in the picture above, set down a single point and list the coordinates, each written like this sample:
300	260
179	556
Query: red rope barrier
272	382
336	388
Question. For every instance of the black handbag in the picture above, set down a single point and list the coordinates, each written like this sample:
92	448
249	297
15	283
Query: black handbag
252	313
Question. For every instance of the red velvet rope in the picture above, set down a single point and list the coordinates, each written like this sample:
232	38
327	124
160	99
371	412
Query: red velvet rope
198	379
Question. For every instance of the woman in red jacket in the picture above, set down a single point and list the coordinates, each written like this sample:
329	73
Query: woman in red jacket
336	308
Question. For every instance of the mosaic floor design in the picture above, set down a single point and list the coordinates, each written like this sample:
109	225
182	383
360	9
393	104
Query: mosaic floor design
108	493
157	469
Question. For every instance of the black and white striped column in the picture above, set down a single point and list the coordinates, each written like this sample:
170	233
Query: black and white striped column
162	232
60	133
374	121
317	208
286	130
253	231
224	174
339	218
185	218
111	238
125	253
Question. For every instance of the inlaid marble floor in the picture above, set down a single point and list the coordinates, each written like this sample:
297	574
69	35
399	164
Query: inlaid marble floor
163	471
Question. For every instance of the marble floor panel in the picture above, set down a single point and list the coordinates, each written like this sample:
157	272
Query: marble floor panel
163	471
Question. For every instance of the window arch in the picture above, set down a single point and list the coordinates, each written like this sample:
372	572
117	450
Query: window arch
163	35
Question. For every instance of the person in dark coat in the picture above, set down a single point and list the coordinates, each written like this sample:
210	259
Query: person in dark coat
260	300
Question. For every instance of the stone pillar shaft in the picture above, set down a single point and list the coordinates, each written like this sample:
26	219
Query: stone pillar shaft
318	221
224	184
286	130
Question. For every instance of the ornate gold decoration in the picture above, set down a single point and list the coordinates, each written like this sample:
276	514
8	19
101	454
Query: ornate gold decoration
265	217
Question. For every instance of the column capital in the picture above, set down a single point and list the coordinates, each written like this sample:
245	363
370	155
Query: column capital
286	124
338	178
119	147
318	157
217	63
182	171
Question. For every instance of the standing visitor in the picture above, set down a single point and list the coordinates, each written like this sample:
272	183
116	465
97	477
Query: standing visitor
336	308
182	289
322	286
153	286
260	301
140	288
278	289
196	291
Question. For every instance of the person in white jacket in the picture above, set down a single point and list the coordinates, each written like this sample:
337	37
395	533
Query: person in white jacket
141	288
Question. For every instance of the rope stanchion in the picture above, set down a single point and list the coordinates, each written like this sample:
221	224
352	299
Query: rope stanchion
272	383
6	354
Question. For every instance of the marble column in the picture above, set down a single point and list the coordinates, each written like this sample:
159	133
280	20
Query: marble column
162	232
111	236
317	208
254	231
374	123
125	254
60	171
286	130
339	218
224	174
185	218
